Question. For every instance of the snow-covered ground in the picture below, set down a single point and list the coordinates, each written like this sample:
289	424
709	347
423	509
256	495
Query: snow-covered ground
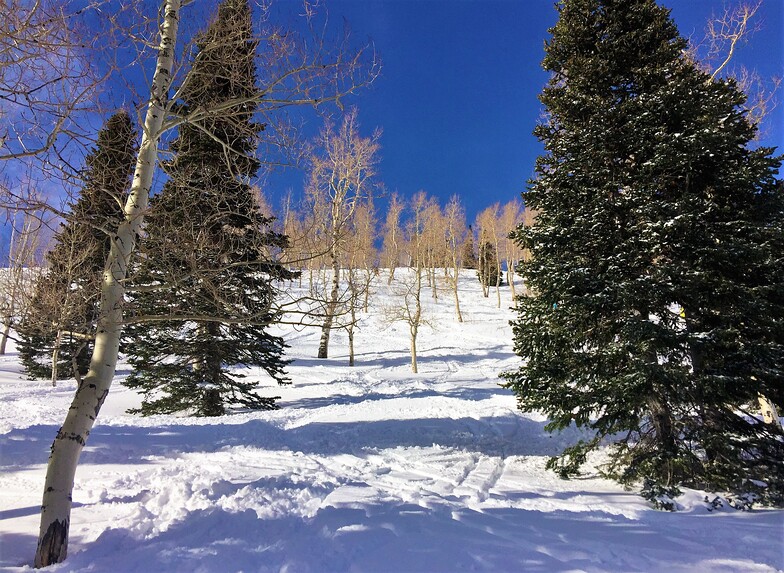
364	469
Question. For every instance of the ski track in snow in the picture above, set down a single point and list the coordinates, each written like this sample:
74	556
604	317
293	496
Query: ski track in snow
364	469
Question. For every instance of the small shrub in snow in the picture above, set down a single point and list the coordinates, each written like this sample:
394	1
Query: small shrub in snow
661	496
716	503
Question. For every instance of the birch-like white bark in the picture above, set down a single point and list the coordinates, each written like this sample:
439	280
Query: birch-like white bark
93	389
769	412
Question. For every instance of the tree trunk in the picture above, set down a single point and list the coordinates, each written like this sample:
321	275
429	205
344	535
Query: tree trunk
332	305
661	418
351	344
56	356
353	317
413	349
91	393
769	412
6	333
483	273
498	288
454	280
434	285
366	294
510	277
457	299
417	318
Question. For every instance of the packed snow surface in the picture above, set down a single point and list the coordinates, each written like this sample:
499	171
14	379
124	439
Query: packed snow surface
364	469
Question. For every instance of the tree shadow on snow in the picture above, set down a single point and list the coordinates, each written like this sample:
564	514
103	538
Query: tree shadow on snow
383	536
426	358
463	393
501	435
17	549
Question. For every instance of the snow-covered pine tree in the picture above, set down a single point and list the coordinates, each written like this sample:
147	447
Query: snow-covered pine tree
64	308
657	309
203	288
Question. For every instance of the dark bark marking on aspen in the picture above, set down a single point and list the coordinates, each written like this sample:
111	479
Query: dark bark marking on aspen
101	399
53	547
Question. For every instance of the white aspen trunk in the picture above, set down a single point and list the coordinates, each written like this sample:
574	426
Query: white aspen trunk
332	305
457	298
366	294
416	319
12	264
91	393
434	285
351	343
352	317
6	333
510	277
498	274
75	363
393	259
413	349
56	356
483	272
769	412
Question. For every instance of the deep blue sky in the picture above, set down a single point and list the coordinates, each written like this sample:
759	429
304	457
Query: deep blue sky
457	98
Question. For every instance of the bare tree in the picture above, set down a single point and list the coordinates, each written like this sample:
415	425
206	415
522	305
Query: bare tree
358	270
58	317
18	280
725	33
455	235
529	218
392	235
433	244
45	77
363	249
511	217
293	226
342	166
409	286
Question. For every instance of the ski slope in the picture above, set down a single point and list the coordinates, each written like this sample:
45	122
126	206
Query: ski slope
364	469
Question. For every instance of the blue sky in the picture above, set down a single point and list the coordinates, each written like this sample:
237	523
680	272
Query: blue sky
457	98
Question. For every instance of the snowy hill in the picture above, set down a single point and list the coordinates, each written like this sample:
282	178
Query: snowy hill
364	469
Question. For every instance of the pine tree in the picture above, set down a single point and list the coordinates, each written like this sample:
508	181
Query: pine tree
657	279
64	307
468	258
208	264
488	268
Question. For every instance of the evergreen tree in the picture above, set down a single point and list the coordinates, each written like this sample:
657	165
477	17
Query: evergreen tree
468	258
208	265
488	268
63	311
657	309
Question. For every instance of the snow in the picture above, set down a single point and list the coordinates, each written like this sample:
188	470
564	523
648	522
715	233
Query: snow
364	469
